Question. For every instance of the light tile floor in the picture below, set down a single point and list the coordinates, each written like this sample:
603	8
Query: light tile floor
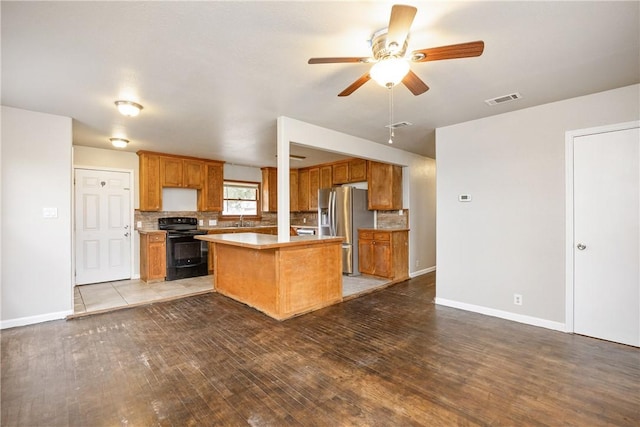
125	293
353	286
108	296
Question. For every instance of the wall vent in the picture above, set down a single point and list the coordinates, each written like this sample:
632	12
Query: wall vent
503	99
398	125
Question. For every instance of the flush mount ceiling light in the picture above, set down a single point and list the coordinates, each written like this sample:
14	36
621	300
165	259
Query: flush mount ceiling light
119	142
128	108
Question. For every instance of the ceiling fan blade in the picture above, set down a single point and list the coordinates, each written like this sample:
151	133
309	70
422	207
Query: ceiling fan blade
415	84
399	24
355	85
462	50
338	60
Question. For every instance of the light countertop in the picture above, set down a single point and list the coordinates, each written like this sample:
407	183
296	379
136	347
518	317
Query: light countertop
265	241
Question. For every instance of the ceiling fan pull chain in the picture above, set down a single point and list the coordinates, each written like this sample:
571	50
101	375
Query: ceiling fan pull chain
391	114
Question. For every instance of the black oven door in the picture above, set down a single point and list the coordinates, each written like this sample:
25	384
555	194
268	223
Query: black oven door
186	257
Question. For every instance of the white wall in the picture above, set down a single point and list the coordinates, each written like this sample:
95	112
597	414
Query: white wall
418	179
109	159
510	239
36	252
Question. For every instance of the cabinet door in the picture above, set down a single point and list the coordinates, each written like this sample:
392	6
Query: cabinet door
382	258
153	256
326	176
357	170
269	190
314	186
193	173
385	186
303	189
293	190
150	188
366	260
211	194
157	260
340	173
171	172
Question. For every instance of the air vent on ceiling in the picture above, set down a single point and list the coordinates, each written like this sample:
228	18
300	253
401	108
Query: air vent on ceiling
398	125
503	99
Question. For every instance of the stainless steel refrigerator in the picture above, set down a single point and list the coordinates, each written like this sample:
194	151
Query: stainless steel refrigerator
341	211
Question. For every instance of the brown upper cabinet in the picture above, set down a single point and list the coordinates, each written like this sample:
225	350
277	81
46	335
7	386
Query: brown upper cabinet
303	190
384	182
181	172
269	200
158	170
385	186
150	189
314	186
353	170
357	170
326	176
340	172
293	190
210	199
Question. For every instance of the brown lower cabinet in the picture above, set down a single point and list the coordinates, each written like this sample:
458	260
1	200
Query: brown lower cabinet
384	253
153	256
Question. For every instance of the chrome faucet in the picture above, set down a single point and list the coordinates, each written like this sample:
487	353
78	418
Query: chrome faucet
241	221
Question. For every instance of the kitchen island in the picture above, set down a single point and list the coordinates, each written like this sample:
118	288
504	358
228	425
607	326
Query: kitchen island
280	279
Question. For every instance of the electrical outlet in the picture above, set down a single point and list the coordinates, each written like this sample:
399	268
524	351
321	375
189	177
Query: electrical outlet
213	222
417	263
139	225
517	299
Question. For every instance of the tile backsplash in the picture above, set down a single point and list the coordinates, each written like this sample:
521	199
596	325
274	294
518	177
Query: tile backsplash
393	219
149	220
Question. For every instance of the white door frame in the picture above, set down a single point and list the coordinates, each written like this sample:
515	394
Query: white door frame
131	216
570	238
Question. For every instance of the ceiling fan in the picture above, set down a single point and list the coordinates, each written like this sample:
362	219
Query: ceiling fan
389	47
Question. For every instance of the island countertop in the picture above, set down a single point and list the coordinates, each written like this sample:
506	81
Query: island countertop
265	241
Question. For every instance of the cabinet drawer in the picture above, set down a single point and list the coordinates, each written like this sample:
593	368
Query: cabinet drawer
366	235
156	237
382	236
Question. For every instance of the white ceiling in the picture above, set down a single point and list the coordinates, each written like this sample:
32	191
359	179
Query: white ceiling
214	76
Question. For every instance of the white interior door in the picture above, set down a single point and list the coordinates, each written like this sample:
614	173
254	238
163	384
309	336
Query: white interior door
607	236
103	229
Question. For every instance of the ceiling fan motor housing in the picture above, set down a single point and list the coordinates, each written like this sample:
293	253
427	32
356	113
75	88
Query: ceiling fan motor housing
382	51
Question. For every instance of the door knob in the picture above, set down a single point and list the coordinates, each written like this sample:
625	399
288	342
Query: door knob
581	247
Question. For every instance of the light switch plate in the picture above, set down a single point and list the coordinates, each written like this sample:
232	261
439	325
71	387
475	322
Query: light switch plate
50	212
213	222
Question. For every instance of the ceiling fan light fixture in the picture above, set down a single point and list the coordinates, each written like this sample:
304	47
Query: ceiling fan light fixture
389	72
128	108
119	142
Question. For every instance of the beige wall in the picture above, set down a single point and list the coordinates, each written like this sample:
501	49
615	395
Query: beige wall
510	239
36	263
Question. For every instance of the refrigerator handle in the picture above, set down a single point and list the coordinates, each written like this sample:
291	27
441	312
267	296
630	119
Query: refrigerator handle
332	213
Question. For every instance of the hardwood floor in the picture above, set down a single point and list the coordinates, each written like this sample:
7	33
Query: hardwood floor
390	358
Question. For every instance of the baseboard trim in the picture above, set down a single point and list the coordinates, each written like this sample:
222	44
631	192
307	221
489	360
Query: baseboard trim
30	320
421	272
520	318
